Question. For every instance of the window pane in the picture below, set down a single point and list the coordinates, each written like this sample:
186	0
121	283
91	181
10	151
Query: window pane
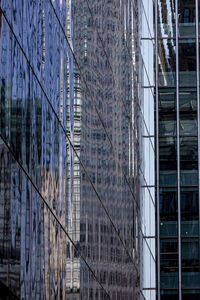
167	63
167	100
189	160
188	111
168	161
169	294
188	100
167	125
187	17
167	113
191	294
187	62
168	212
189	211
166	18
188	124
169	263
190	262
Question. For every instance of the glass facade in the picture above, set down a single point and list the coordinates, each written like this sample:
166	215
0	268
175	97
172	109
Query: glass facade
177	148
76	195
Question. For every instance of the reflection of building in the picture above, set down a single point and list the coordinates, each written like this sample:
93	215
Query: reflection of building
177	108
9	243
187	12
89	225
77	198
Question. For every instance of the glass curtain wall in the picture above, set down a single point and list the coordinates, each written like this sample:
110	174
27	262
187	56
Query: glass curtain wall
70	222
177	129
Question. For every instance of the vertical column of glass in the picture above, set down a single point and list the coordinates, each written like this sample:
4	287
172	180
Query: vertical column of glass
189	116
166	118
177	116
178	150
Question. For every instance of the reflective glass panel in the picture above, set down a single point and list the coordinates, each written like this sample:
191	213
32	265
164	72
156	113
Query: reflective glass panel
187	17
188	100
189	160
167	113
40	109
168	212
168	161
169	294
167	62
166	18
167	124
188	111
187	62
167	100
188	123
190	262
193	294
169	263
189	211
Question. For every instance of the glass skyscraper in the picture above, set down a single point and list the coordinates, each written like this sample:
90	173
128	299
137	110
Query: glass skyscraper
178	148
77	207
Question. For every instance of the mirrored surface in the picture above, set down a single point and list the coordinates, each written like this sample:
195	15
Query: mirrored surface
168	161
189	212
67	91
186	17
187	62
167	62
166	18
169	263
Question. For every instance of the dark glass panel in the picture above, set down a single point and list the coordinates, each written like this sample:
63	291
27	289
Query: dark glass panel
189	160
167	100
190	263
188	111
187	17
189	211
188	123
167	62
168	212
169	294
168	161
167	126
10	227
187	62
193	294
167	121
188	100
4	106
169	263
166	18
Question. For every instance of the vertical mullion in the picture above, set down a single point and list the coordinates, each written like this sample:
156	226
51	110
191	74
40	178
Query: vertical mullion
178	152
157	151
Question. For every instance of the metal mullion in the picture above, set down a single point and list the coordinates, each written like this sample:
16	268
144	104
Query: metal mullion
157	151
198	104
178	152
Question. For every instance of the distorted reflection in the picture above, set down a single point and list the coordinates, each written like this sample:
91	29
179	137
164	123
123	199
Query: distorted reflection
67	97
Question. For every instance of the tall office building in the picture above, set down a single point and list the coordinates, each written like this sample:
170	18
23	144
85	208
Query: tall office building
76	150
178	148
